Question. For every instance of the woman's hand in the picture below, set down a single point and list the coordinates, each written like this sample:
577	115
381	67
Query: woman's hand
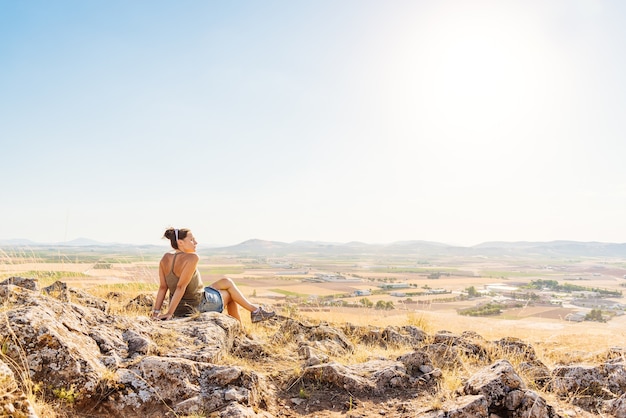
165	316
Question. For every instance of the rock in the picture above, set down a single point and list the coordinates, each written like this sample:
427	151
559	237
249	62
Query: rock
494	383
536	372
311	355
339	376
137	343
506	394
590	386
13	402
407	335
60	291
467	406
617	407
65	344
418	365
140	302
60	338
26	283
329	340
443	356
517	347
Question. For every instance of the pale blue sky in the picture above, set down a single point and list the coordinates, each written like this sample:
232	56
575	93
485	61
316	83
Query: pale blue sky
375	121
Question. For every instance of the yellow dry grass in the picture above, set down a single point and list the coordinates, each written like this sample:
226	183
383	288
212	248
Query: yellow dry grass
556	341
141	277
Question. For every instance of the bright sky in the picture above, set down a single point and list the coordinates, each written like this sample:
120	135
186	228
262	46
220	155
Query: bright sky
353	120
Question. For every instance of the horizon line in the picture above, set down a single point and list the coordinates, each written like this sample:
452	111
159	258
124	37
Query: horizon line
83	241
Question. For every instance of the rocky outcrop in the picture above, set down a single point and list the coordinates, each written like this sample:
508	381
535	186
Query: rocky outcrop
83	358
13	401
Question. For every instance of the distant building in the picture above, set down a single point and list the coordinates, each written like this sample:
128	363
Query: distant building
328	277
576	317
394	286
499	287
596	303
362	293
585	294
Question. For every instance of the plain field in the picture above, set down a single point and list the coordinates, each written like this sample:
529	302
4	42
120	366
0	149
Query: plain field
263	284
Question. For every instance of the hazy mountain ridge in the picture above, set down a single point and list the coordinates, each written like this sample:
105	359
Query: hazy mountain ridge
559	248
522	248
78	242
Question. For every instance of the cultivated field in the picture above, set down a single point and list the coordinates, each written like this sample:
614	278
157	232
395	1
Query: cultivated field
288	282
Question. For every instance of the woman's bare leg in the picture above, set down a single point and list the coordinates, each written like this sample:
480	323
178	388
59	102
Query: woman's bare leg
231	306
234	296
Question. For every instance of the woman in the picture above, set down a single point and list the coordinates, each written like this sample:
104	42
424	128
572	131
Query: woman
178	274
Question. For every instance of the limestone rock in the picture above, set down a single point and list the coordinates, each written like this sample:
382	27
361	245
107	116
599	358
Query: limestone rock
13	402
61	338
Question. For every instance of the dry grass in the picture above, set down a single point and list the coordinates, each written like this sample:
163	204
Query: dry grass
366	352
556	342
451	382
282	368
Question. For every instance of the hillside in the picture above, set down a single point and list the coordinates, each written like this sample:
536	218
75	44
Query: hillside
67	353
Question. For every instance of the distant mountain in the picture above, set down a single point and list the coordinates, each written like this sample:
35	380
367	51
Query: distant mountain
78	242
17	242
414	248
275	248
258	244
556	248
523	244
427	248
83	242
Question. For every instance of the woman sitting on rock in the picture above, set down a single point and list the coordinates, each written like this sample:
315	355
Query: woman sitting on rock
178	273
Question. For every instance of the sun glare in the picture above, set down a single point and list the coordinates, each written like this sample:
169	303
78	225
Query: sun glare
485	76
477	76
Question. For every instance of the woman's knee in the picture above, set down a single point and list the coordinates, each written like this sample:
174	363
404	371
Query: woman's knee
223	283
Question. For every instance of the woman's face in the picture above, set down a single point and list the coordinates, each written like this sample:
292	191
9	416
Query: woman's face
187	245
